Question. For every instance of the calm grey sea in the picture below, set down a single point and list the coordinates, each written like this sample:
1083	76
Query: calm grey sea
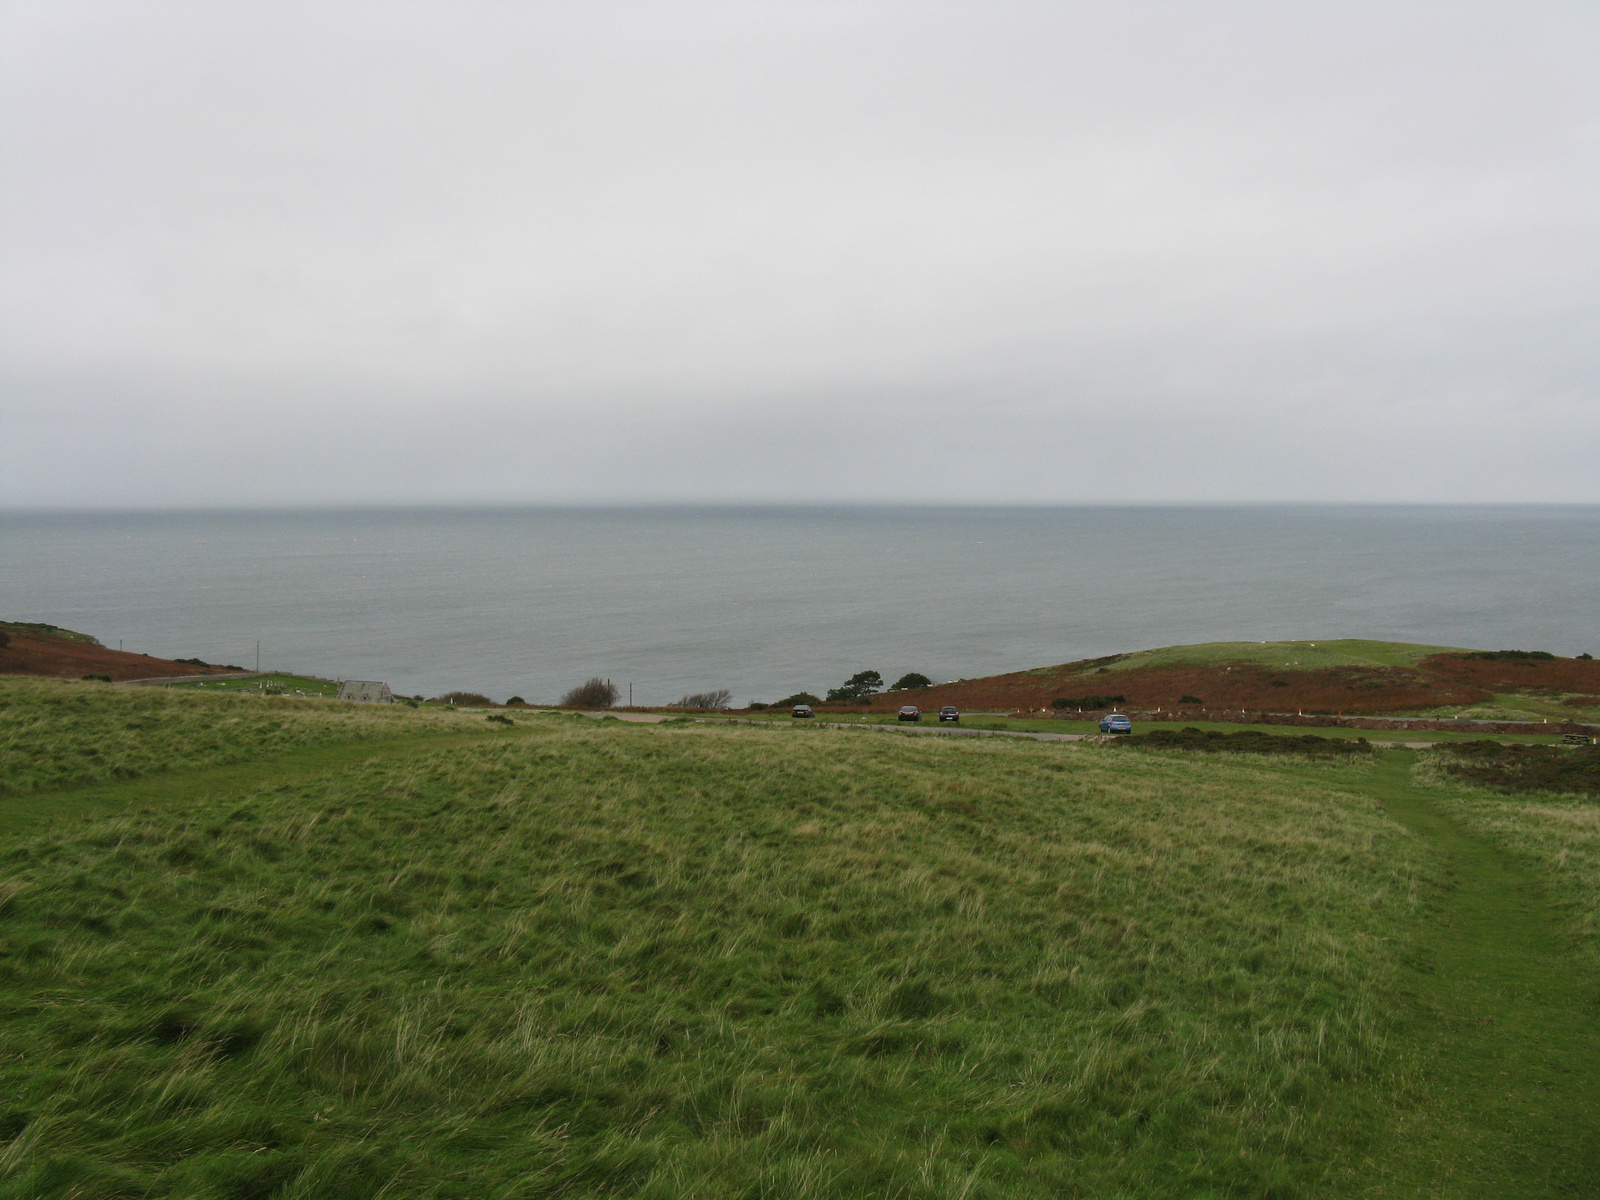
767	601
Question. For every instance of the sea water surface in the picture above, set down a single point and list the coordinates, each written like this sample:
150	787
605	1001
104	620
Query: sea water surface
767	601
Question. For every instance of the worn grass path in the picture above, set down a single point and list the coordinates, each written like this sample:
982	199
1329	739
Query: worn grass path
1507	1030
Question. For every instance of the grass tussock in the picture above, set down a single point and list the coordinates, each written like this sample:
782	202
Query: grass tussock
662	962
54	733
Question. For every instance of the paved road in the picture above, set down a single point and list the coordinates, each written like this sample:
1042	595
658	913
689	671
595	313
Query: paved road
934	730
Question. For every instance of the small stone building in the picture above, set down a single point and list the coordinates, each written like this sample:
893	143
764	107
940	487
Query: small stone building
364	691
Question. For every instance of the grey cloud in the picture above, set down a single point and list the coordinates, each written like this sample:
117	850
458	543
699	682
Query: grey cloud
898	251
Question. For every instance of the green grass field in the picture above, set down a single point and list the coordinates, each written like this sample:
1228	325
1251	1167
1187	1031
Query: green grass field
268	685
363	952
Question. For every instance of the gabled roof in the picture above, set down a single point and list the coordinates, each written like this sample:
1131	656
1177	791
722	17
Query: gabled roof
368	690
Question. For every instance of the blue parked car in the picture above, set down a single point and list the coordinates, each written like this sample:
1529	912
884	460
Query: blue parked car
1115	723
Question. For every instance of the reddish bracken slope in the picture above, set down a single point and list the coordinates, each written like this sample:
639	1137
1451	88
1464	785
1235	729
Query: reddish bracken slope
37	650
1436	682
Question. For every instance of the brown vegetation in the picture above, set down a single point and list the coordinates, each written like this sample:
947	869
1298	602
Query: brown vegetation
1240	686
60	653
1534	676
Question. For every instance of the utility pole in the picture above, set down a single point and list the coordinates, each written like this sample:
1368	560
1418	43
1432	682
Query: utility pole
258	657
630	693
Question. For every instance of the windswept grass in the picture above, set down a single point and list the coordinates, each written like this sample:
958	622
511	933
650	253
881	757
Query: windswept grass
712	962
55	733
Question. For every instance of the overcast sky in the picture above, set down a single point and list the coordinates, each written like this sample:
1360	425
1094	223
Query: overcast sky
1055	252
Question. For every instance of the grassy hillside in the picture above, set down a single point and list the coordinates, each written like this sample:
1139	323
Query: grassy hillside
1340	652
574	958
54	733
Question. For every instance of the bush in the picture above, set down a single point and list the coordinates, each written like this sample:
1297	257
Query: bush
1248	741
469	698
714	699
1190	700
1525	768
592	693
1511	656
97	678
911	680
797	698
515	700
757	706
1091	703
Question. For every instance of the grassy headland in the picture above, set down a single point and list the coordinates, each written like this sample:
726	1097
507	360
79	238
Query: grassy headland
583	958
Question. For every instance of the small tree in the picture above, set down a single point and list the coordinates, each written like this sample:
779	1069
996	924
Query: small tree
858	687
797	698
515	700
911	680
715	699
470	699
592	693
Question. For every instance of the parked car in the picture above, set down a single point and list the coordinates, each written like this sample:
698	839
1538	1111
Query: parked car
1115	723
910	712
802	710
949	713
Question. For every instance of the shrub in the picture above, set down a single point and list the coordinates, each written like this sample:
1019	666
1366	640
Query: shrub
515	700
473	699
797	698
1190	700
1088	702
911	680
1511	656
757	706
592	693
98	678
713	699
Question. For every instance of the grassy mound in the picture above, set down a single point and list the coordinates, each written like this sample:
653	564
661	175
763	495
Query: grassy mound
55	733
623	960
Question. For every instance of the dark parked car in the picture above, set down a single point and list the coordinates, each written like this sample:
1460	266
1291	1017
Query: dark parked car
802	710
949	713
910	712
1115	723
